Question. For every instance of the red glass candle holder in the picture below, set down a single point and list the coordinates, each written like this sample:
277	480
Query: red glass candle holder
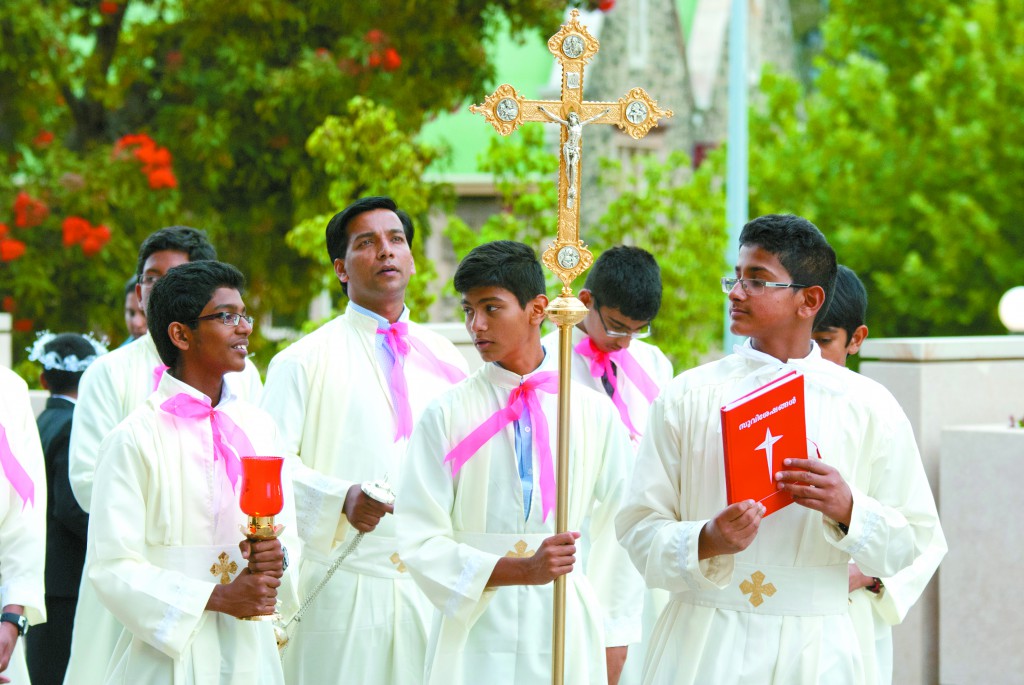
261	498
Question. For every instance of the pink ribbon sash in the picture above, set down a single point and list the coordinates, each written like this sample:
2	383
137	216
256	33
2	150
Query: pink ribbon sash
398	340
15	472
601	365
158	373
230	443
524	395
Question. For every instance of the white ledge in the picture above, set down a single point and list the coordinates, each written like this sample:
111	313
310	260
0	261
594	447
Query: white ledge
960	348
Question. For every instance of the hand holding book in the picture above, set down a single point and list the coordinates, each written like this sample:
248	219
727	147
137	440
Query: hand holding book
816	485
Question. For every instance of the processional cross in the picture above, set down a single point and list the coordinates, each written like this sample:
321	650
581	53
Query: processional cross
567	256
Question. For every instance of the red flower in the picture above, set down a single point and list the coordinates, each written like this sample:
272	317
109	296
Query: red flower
173	59
42	139
76	229
374	37
22	325
3	231
374	59
107	7
153	156
162	178
323	53
9	305
29	212
11	249
392	60
133	139
606	5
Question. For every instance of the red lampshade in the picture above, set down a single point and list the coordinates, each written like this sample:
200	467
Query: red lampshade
261	486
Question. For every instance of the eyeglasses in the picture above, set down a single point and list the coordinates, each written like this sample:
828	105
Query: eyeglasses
644	332
226	318
149	280
754	286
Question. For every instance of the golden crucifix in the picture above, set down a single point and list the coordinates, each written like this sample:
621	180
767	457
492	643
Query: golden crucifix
567	256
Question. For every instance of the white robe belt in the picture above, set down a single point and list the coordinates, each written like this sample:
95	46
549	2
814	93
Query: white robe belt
503	544
376	555
778	591
199	562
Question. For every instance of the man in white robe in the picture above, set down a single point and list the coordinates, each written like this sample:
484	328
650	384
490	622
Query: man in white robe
876	604
765	600
165	544
109	391
345	407
477	526
623	295
22	524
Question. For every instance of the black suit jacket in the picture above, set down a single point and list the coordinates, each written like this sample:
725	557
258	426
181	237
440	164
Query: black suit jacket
66	523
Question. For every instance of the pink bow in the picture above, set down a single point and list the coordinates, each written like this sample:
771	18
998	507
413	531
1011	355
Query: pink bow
16	474
158	373
601	365
524	395
229	441
399	341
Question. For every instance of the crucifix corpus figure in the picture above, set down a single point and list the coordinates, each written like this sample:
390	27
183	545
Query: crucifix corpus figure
571	148
636	114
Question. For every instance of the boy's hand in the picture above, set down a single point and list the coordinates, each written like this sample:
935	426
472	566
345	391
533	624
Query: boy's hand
265	556
554	558
731	530
249	594
364	512
819	486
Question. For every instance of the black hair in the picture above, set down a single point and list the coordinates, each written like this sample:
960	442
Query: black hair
849	307
64	345
799	246
628	279
181	295
505	264
337	227
191	241
129	285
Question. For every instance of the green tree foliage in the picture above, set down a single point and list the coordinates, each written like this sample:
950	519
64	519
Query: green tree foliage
909	154
661	206
230	91
365	153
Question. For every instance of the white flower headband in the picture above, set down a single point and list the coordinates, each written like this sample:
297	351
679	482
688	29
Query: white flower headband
52	361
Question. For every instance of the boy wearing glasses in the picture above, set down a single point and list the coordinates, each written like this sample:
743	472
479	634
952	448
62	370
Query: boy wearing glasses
622	294
476	515
611	355
766	600
109	391
167	556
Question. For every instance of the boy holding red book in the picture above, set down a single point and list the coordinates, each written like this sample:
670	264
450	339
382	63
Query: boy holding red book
764	600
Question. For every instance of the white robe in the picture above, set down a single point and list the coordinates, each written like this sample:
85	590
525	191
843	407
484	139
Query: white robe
22	528
453	530
654	362
712	632
169	512
650	358
112	388
333	403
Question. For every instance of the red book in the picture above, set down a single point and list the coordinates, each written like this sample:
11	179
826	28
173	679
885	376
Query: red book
759	430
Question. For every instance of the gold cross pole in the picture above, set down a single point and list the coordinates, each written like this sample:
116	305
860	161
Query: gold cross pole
567	256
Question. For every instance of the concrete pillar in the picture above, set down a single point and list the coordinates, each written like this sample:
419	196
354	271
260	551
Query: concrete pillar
942	382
